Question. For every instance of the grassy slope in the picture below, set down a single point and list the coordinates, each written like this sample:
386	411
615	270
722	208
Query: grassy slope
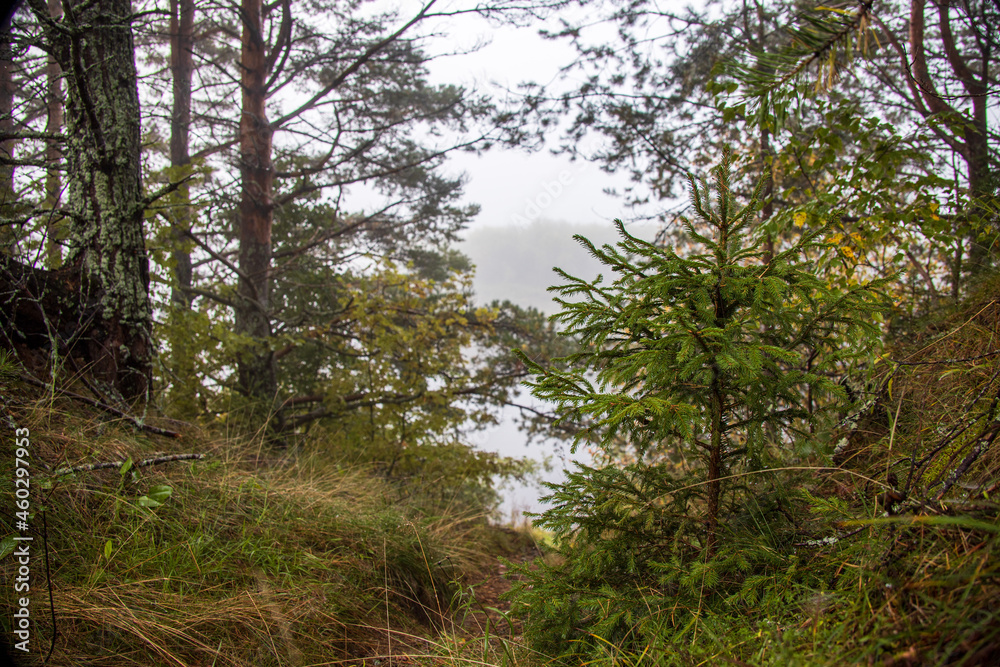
248	562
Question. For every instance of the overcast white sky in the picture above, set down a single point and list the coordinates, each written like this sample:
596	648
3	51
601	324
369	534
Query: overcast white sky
513	186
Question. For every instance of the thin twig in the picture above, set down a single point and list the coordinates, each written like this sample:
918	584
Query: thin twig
48	580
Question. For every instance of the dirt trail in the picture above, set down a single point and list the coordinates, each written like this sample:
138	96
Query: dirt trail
487	599
484	612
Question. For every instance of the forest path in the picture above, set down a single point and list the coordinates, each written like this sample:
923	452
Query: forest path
486	611
457	636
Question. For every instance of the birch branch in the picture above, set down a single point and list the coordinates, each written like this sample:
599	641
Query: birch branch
90	467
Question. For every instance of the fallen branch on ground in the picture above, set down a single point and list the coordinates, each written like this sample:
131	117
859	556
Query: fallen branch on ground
118	464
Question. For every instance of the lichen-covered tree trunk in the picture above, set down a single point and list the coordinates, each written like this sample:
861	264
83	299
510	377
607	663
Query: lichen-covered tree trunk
256	363
95	49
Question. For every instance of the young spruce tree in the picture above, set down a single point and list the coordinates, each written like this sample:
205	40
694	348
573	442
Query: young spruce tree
710	365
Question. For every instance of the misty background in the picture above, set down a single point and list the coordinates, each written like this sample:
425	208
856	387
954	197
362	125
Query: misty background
531	206
514	261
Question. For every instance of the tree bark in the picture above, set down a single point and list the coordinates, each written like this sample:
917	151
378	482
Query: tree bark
53	151
107	243
181	69
6	124
184	387
256	363
967	132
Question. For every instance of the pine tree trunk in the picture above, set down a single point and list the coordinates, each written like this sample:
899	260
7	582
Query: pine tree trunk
53	151
107	243
977	158
982	183
181	69
182	355
6	125
969	134
980	187
256	365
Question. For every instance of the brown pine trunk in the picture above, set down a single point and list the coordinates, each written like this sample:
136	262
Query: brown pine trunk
181	69
256	364
53	151
184	387
107	243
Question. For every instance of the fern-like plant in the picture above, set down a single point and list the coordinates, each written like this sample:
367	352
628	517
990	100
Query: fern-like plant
718	360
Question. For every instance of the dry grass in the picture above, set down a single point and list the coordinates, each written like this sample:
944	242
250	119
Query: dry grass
254	559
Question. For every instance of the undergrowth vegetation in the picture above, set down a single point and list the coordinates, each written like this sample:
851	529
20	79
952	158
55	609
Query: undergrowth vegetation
248	556
236	558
